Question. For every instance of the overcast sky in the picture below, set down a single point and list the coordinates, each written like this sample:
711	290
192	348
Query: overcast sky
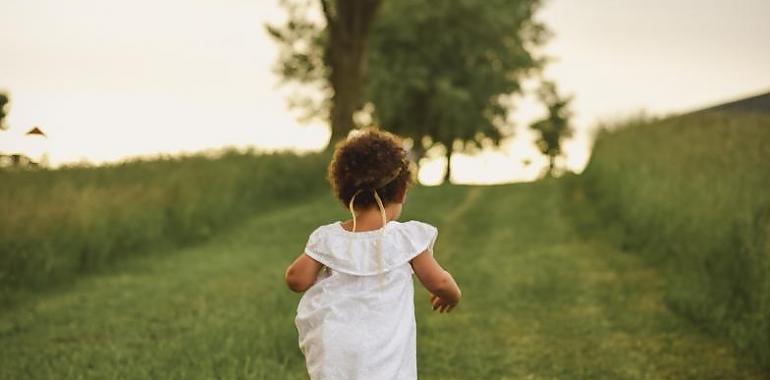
110	79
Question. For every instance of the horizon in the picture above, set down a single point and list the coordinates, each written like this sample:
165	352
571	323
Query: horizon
83	73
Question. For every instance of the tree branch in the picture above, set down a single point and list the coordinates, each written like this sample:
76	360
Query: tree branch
328	12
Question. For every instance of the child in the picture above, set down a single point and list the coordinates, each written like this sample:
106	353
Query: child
356	318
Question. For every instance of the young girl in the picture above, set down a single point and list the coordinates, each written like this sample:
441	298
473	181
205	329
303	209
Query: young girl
356	318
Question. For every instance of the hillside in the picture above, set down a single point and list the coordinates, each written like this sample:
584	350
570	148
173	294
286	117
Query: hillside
753	104
690	195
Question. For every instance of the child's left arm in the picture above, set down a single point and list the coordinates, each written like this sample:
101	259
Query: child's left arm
302	273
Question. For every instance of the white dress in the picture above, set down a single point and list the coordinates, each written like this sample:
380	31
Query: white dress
357	321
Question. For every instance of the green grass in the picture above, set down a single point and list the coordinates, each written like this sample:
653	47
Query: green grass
692	195
541	301
57	224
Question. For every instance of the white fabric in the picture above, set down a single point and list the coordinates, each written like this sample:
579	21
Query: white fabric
357	322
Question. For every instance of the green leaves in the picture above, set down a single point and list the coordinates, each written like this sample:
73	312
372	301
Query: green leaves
301	42
442	69
3	102
555	126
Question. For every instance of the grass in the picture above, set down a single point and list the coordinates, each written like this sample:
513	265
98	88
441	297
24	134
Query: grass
542	301
58	224
691	195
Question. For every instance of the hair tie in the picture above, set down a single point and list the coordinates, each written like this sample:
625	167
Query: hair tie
380	259
350	206
397	172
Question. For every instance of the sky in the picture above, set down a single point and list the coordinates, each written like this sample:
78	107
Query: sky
107	80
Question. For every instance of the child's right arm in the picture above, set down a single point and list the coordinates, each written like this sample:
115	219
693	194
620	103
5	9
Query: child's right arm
446	293
302	273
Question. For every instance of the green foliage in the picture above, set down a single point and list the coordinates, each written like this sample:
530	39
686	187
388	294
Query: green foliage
301	45
555	126
446	70
329	57
57	223
3	113
692	193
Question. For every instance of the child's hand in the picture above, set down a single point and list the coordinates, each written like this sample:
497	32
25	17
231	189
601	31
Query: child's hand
441	304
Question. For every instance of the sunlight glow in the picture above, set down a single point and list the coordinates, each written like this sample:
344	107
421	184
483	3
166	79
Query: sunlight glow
198	76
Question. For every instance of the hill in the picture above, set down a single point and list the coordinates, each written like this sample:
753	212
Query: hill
690	194
753	104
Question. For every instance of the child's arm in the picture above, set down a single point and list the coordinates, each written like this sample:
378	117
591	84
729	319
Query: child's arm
446	293
302	273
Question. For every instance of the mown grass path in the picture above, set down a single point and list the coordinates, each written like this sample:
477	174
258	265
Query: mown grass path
540	302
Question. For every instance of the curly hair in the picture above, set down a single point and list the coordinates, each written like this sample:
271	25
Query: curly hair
366	161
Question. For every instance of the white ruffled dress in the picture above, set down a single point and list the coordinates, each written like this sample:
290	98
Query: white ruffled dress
357	321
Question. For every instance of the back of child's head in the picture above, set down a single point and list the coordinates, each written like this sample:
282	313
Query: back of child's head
367	161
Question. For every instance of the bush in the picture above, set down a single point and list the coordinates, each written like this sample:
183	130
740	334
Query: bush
57	223
693	194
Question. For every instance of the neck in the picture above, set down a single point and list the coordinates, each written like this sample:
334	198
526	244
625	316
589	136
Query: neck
371	218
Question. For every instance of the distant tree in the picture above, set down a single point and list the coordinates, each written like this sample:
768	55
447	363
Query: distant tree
555	126
445	71
3	113
330	57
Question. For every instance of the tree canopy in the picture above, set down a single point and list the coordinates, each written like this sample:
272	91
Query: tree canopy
553	128
3	102
446	70
330	57
439	71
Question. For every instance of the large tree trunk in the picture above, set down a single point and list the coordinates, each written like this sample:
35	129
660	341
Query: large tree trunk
448	173
416	155
551	165
349	23
347	92
418	152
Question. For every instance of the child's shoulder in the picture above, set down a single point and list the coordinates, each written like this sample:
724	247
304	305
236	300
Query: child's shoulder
331	245
414	224
414	228
335	228
327	227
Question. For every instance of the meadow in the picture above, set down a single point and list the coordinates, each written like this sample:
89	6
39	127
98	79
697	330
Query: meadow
614	274
540	302
691	193
59	224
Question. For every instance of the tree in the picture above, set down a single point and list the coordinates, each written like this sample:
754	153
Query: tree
3	113
555	126
331	57
445	71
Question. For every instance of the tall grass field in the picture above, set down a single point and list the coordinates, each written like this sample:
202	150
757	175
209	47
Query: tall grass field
57	224
540	301
655	266
692	194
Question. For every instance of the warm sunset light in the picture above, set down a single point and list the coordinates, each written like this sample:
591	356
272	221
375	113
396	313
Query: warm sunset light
385	189
197	76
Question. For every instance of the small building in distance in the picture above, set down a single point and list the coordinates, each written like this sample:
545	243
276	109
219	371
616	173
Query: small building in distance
35	131
28	150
